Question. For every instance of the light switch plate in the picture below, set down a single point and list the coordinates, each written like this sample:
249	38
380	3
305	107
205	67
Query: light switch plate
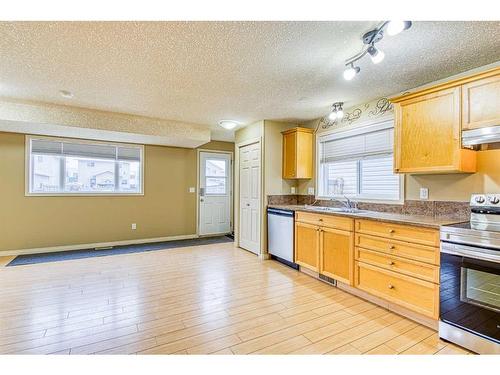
192	190
293	190
134	226
310	191
424	193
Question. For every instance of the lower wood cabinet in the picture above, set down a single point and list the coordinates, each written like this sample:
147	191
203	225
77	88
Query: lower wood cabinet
336	254
414	294
395	262
307	245
326	248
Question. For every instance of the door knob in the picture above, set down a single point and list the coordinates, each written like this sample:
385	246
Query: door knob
202	200
390	286
391	263
392	247
248	204
391	230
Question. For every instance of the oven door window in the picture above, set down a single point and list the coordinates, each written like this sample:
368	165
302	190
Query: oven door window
470	295
480	288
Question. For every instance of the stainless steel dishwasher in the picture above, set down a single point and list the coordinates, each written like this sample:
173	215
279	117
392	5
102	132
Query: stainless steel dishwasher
280	235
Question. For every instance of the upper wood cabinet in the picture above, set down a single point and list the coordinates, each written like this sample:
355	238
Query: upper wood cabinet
429	123
481	103
428	135
297	153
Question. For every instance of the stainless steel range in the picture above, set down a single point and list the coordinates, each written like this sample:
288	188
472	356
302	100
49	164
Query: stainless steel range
470	278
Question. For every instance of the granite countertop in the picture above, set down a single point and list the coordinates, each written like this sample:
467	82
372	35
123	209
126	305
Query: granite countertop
418	220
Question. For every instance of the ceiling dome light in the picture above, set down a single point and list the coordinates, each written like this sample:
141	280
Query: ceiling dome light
395	27
375	54
228	124
351	72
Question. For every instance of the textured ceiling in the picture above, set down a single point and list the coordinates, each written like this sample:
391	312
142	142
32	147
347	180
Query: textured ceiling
202	72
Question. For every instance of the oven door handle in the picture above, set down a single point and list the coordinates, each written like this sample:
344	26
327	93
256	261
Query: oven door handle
470	252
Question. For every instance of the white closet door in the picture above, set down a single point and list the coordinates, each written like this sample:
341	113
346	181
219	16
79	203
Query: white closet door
250	211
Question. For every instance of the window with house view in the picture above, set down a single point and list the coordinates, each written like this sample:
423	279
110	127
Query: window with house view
59	166
358	164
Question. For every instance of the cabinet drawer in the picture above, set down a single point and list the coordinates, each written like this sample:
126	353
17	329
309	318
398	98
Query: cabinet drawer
414	294
421	253
408	267
424	236
329	221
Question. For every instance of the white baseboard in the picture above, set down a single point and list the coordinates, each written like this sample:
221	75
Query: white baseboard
95	245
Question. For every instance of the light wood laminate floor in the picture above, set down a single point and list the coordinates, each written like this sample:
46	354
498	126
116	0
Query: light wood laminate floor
213	299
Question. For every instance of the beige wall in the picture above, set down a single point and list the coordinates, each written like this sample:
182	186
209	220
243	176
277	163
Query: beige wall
166	209
459	187
273	143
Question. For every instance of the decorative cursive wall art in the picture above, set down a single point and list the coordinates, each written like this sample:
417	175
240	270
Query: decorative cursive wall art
371	110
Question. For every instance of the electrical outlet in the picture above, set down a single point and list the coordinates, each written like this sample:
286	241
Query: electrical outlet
293	190
310	191
134	226
192	190
424	193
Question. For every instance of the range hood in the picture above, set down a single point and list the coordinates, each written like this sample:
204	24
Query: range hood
481	136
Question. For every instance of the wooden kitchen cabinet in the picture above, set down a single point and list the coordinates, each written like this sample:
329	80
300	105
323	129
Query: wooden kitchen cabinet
481	103
307	245
297	153
325	244
428	134
337	254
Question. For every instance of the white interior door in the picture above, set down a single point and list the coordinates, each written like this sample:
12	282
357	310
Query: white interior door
249	235
215	193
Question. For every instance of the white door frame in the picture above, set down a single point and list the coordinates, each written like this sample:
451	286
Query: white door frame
237	190
231	187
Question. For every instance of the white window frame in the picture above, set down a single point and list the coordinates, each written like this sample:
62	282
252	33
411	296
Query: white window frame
27	168
351	132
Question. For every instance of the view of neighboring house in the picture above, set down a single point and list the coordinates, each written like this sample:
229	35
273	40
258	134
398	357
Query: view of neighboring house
83	175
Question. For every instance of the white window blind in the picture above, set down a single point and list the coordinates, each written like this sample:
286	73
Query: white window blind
359	164
65	166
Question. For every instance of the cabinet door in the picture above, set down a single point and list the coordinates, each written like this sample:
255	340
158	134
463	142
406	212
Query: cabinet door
428	133
481	103
289	155
304	163
307	245
337	254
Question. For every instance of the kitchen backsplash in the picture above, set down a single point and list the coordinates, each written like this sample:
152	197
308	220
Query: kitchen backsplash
410	207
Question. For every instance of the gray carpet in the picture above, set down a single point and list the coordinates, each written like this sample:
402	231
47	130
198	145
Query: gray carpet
129	249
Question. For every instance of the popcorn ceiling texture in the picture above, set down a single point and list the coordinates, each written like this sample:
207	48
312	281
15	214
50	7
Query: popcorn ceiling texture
178	133
202	72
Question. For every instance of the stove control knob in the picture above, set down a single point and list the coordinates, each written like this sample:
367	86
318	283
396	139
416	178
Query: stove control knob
494	200
479	199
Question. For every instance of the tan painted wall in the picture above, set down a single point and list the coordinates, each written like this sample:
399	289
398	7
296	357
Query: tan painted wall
273	139
166	209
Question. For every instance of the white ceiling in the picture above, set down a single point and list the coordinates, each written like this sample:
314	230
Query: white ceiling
202	72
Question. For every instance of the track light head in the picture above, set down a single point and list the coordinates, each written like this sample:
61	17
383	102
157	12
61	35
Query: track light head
375	54
332	116
351	71
395	27
336	112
